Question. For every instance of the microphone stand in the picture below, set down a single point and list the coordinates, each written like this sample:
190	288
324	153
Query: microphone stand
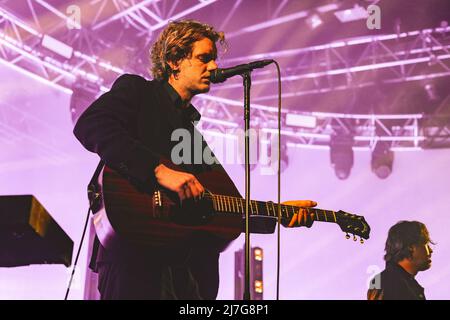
247	84
220	75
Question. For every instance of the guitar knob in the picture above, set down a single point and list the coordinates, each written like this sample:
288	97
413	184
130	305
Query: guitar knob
361	240
354	238
347	236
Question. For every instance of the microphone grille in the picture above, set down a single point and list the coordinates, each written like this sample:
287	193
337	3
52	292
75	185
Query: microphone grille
217	76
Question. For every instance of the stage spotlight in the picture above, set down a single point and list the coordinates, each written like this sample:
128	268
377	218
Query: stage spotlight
299	120
352	14
382	159
57	46
314	21
432	92
341	155
83	94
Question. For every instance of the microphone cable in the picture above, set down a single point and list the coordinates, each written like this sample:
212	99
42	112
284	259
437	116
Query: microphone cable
79	248
279	181
93	196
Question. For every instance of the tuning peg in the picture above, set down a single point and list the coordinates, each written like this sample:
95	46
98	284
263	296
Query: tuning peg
354	238
347	236
361	240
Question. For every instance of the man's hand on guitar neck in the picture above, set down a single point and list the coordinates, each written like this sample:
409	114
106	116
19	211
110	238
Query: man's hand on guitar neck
301	218
185	184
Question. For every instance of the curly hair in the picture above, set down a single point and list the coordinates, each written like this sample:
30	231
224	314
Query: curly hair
401	237
175	44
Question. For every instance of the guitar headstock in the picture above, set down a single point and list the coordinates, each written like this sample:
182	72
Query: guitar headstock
354	224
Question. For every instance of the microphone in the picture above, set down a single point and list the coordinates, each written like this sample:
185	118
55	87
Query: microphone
220	75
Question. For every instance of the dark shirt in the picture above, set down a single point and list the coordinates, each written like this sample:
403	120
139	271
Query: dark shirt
189	114
395	283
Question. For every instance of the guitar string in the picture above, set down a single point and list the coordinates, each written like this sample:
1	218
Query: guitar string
284	207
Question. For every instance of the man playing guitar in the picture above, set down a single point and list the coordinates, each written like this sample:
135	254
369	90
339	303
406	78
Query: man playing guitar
130	128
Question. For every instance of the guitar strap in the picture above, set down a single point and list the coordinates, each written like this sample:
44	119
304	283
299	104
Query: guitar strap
93	188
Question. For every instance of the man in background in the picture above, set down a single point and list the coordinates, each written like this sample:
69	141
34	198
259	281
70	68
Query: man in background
408	252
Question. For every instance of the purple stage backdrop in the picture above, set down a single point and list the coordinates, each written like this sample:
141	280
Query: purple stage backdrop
318	263
39	155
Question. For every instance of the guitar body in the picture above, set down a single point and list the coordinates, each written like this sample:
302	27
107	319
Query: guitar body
155	218
125	214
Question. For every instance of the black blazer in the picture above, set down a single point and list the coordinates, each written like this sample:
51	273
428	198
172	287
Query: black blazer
130	127
127	127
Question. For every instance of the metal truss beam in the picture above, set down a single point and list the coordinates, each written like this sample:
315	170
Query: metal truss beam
141	12
127	12
270	23
275	19
404	132
346	43
426	48
24	44
58	13
15	51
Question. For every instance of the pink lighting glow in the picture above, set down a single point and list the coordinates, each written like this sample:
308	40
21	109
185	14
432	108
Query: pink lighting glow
387	85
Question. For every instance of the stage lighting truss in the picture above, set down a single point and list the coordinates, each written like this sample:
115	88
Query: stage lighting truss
405	132
24	43
21	49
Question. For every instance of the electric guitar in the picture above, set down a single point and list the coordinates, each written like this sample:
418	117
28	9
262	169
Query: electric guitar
156	218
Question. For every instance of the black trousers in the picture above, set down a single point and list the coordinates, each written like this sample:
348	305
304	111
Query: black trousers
154	277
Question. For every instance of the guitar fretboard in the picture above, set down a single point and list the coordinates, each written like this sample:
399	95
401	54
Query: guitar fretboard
222	203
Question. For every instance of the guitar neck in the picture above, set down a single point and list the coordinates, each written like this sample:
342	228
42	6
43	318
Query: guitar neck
236	205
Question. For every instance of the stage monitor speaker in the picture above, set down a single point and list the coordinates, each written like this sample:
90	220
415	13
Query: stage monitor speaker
29	235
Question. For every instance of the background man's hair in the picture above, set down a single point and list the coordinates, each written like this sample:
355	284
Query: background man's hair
175	44
401	237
